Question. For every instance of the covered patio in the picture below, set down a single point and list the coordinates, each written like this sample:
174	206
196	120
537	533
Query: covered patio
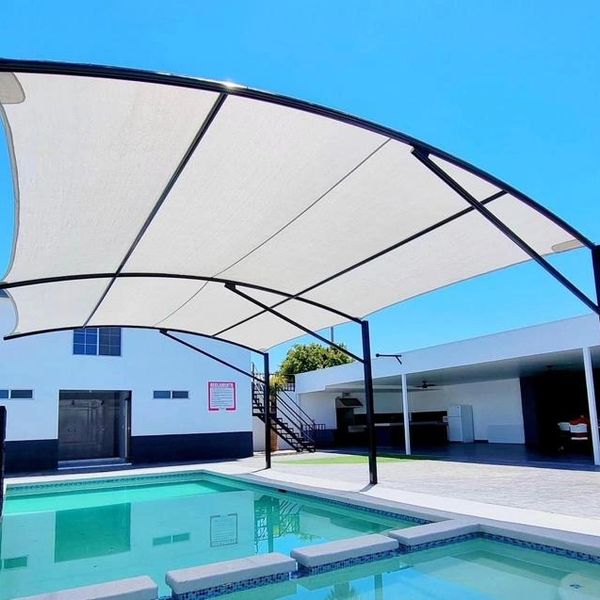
520	387
192	206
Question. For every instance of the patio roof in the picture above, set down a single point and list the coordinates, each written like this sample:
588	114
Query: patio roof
160	201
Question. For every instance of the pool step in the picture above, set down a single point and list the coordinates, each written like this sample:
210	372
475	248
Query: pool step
230	575
335	554
135	588
430	533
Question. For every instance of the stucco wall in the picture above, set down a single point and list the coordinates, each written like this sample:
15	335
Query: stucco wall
149	362
496	406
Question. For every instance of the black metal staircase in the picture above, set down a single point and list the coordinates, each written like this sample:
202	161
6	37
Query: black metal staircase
274	518
288	420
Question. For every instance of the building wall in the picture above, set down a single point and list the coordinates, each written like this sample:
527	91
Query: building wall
557	336
168	430
497	411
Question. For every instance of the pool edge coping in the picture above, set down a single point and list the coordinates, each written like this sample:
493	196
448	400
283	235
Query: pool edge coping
546	536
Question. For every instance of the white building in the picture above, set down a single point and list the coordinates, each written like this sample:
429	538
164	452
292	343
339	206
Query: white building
126	395
132	395
518	385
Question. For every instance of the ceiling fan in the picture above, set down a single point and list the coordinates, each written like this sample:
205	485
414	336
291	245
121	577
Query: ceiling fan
424	386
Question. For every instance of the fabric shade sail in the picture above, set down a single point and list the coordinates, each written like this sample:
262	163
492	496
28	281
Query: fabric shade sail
139	196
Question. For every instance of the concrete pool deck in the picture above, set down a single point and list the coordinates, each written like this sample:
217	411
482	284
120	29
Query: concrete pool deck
563	500
560	499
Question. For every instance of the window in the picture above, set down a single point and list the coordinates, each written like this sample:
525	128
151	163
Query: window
92	341
170	539
85	341
16	394
109	341
15	563
168	394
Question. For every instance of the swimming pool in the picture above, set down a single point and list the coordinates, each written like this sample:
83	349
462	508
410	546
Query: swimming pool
471	570
57	536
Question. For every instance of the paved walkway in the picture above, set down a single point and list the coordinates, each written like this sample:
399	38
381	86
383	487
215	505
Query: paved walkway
564	492
504	454
569	492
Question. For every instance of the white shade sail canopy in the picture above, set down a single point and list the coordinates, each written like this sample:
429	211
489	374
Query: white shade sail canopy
139	196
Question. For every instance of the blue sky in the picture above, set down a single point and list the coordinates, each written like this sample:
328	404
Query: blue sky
511	86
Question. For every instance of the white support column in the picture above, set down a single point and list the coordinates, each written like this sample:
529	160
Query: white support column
591	394
406	415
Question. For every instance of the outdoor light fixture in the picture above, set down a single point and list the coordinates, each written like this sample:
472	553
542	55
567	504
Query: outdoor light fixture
396	356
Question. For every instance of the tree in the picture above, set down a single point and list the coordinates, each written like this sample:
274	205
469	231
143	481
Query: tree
308	357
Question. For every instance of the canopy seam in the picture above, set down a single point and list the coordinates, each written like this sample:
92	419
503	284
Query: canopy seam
206	123
282	228
395	246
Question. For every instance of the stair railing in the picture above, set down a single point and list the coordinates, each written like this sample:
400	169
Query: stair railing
287	409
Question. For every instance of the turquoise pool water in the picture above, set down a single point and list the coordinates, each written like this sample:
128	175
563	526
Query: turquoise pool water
63	537
473	570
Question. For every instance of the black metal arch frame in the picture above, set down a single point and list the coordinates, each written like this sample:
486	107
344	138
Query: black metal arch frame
422	152
218	280
231	89
233	287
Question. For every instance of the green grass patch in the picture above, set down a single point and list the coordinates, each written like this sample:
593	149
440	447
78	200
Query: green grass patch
351	459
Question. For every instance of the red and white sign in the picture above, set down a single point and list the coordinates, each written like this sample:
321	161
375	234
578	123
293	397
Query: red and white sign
221	395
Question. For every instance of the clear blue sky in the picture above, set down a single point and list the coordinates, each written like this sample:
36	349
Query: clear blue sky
511	86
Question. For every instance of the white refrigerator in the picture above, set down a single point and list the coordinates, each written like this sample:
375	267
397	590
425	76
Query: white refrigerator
460	423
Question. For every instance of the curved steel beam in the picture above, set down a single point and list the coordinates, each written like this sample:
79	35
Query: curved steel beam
502	227
17	336
166	333
262	288
108	72
364	261
233	288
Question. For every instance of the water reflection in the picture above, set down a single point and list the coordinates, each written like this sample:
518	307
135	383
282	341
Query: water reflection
92	532
108	534
342	591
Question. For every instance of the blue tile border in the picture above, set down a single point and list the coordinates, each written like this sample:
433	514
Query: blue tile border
229	588
22	489
401	551
388	514
465	537
17	489
377	511
503	539
343	564
574	554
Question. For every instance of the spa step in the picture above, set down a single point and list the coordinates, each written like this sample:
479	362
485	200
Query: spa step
318	555
434	532
230	572
136	588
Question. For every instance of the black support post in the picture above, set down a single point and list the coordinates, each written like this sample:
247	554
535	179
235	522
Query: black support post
369	401
267	386
2	438
368	378
596	268
267	403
